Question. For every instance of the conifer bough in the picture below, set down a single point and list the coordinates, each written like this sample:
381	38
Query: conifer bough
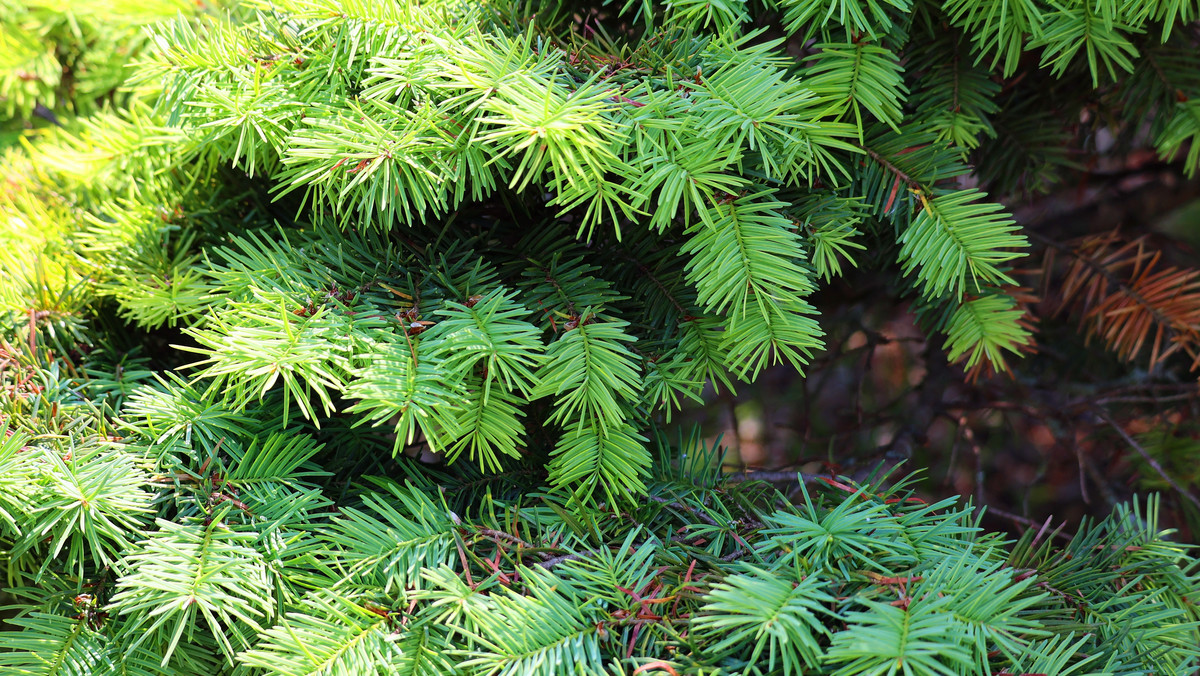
306	238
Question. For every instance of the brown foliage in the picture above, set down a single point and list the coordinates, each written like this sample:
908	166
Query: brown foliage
1126	296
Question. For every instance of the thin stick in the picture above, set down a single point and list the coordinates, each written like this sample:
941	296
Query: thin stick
1146	456
506	537
771	476
550	563
695	512
1017	518
734	555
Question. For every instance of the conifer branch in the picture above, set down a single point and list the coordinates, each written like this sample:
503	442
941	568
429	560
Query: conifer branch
446	270
1154	464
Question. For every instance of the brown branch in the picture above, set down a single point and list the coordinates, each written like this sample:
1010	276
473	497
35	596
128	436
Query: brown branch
896	171
462	557
557	287
550	563
1016	518
772	476
696	512
501	536
734	555
1147	457
1162	76
1110	496
1149	399
492	478
657	282
1139	393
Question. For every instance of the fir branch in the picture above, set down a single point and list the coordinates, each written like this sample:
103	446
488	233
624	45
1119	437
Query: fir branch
1154	464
